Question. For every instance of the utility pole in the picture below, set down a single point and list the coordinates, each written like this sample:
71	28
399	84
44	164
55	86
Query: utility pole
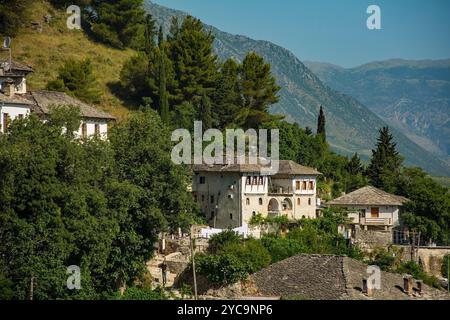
191	240
413	242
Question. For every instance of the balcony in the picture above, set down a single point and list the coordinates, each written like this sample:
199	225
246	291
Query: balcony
280	191
376	221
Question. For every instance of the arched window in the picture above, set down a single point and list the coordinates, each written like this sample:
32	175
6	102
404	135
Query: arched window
309	201
260	201
298	201
247	201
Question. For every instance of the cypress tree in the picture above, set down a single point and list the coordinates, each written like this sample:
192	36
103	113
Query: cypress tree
206	112
385	165
160	36
163	97
149	34
321	124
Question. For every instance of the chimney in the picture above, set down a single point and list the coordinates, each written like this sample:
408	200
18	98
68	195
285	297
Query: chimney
419	287
367	289
9	87
408	284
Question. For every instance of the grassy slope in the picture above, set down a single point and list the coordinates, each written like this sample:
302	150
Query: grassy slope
47	51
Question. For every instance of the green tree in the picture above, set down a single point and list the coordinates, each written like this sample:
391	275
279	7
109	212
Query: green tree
221	269
149	34
321	122
259	91
251	252
163	95
227	97
195	64
384	168
120	23
77	78
205	112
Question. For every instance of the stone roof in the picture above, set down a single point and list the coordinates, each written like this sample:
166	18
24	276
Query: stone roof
329	277
286	167
16	99
369	196
17	66
45	100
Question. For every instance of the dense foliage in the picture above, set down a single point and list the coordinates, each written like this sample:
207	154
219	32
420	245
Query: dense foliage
76	78
13	16
87	203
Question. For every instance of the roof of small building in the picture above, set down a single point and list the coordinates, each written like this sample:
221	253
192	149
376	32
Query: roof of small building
330	277
369	196
286	167
16	99
45	100
17	66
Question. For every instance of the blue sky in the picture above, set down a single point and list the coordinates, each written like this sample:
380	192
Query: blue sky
333	30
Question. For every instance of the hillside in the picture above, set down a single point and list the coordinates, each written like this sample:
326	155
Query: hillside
46	51
412	96
351	127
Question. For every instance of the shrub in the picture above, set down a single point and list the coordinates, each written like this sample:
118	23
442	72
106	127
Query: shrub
416	270
143	293
218	241
221	269
251	252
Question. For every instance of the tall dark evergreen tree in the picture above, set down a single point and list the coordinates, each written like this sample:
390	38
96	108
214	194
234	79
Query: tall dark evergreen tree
354	166
194	62
119	23
385	165
206	112
160	36
321	122
149	34
227	97
259	91
163	98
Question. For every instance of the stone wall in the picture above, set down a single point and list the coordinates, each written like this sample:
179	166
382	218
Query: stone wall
430	258
370	239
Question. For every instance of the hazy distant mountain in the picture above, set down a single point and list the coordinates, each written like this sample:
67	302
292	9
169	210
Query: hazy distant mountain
351	127
413	96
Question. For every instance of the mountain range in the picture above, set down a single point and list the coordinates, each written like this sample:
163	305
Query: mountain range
412	96
351	126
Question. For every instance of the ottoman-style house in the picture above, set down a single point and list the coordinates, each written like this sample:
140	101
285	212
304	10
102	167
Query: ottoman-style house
371	208
17	102
230	195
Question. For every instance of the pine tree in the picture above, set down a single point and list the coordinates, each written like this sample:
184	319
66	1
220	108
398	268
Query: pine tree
227	96
259	91
385	165
354	166
308	131
206	112
321	124
149	34
194	62
119	23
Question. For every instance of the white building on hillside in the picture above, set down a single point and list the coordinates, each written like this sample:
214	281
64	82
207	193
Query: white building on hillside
230	195
371	208
17	102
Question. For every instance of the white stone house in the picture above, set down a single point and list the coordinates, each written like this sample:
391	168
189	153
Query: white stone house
230	195
16	102
371	208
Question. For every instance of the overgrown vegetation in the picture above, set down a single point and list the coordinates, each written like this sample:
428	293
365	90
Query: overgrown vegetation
95	204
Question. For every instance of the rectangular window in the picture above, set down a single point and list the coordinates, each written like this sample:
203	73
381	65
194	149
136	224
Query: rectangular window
202	180
212	199
304	185
311	185
255	180
84	130
297	185
231	216
248	181
97	129
261	181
